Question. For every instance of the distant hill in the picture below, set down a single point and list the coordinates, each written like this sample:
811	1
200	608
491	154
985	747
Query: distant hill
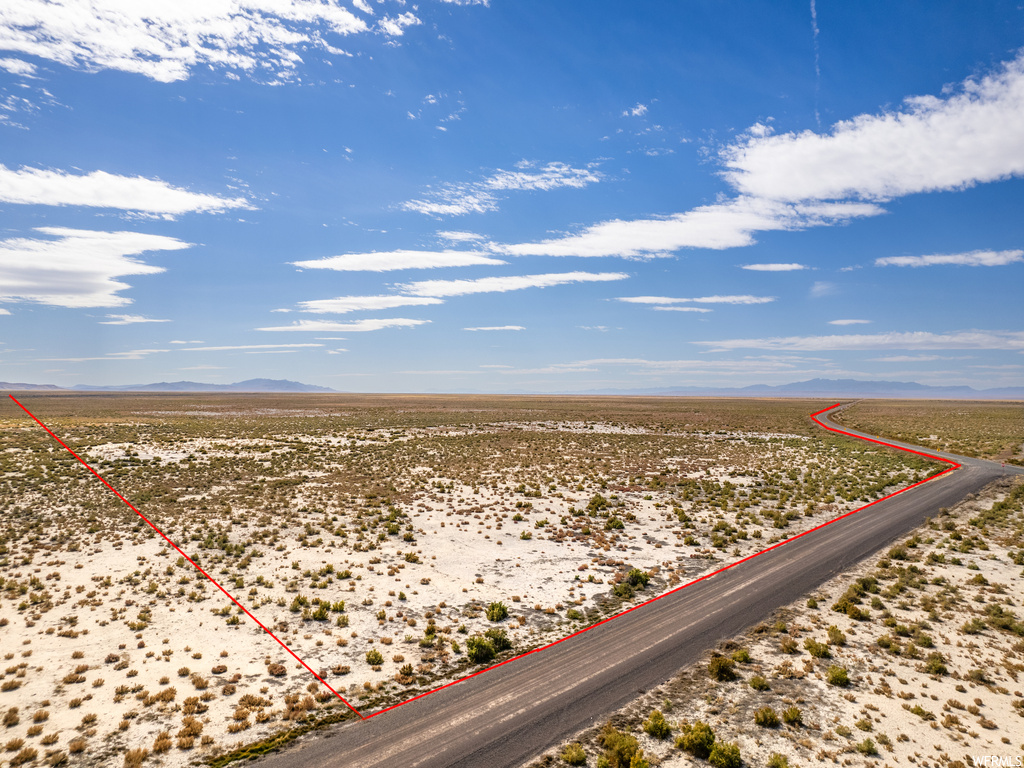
7	386
250	385
834	388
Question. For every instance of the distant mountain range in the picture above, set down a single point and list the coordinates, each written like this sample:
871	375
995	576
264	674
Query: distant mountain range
833	388
250	385
816	388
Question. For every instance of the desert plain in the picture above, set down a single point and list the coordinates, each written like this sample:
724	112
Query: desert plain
395	543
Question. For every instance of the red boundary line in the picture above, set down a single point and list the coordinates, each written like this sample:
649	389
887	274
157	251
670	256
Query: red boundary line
814	417
193	562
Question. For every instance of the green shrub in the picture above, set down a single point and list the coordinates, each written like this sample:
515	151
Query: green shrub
623	589
374	657
614	524
573	754
837	676
758	683
498	639
657	726
792	716
742	656
639	761
725	755
867	747
619	748
788	645
497	612
836	636
766	717
721	669
934	664
778	761
479	650
816	649
697	739
637	578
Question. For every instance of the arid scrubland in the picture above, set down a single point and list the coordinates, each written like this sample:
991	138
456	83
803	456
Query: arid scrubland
988	430
916	658
391	542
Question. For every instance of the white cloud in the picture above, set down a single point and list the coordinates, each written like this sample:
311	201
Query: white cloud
682	309
482	196
344	304
99	189
731	224
179	341
166	41
130	320
134	354
18	67
822	288
914	358
355	327
362	5
792	181
737	299
394	26
638	111
497	328
459	237
970	259
1005	340
848	322
392	260
245	347
4	311
791	267
79	268
930	144
438	288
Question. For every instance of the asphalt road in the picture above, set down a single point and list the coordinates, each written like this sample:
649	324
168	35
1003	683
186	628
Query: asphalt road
510	715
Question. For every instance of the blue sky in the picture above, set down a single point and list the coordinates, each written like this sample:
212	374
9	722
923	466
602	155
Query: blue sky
374	195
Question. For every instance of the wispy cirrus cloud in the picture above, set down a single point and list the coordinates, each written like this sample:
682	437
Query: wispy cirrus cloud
444	288
167	41
357	326
130	320
402	259
246	347
666	300
484	195
99	189
344	304
848	322
1004	340
790	267
76	267
969	259
730	224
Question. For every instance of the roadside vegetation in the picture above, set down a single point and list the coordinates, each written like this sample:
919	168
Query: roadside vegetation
915	657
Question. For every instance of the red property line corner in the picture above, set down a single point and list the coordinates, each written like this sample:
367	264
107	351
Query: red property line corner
813	416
